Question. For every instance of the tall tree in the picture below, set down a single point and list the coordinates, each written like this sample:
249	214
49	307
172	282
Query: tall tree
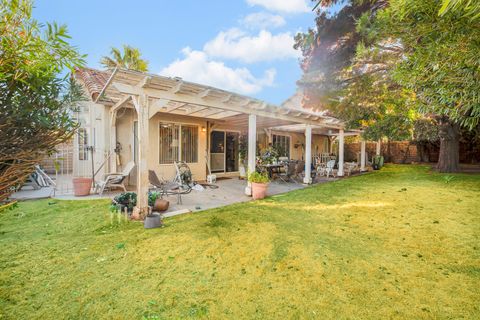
439	63
130	58
35	99
432	53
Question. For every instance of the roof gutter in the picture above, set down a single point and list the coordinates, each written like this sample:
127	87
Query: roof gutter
105	87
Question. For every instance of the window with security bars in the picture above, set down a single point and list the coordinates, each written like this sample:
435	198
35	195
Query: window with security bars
82	138
178	143
282	144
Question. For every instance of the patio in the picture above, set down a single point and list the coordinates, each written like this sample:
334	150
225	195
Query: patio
229	191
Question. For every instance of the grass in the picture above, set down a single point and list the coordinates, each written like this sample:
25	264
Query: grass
400	243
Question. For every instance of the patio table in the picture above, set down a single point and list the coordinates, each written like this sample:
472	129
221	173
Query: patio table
272	168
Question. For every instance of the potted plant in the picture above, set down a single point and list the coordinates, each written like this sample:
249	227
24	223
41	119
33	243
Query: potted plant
156	203
259	183
125	200
81	186
377	162
242	156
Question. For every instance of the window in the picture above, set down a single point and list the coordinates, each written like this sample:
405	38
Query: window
189	147
178	143
282	144
82	138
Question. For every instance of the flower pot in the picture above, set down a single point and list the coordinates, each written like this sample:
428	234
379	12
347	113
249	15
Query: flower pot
160	205
259	190
152	221
81	186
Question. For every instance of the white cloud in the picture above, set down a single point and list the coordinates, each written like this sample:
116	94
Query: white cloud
197	67
263	20
285	6
235	44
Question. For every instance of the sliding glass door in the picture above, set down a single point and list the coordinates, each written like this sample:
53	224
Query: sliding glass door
224	151
217	151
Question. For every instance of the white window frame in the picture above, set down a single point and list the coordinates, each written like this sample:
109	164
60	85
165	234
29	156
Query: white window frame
179	124
289	142
82	148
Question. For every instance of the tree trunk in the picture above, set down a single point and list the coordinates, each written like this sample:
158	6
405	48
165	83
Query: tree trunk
449	133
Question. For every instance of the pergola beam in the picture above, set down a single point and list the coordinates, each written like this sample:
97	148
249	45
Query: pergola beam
178	87
195	100
204	93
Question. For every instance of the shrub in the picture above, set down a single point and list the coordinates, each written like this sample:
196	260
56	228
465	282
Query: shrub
258	177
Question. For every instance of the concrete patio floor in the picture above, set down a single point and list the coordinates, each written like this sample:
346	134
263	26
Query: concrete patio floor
229	191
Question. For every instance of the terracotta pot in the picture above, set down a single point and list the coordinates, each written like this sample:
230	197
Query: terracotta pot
259	190
160	205
81	186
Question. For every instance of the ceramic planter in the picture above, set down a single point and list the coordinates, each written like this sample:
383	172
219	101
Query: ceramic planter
259	190
160	205
81	186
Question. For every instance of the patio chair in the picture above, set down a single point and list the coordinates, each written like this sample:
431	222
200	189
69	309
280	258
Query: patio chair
167	188
287	176
299	168
330	168
351	167
184	174
114	180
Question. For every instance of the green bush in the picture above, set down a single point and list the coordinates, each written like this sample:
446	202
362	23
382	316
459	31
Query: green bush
258	177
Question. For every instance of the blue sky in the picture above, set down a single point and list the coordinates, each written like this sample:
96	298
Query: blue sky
238	45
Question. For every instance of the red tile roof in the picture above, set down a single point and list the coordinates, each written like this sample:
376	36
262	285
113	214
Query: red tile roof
93	80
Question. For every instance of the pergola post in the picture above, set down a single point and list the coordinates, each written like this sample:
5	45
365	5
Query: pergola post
141	105
341	148
362	155
308	155
379	145
252	148
113	141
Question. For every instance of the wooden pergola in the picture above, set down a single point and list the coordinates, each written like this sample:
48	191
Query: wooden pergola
150	94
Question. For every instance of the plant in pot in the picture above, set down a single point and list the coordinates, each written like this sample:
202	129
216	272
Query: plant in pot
259	181
242	156
377	162
125	201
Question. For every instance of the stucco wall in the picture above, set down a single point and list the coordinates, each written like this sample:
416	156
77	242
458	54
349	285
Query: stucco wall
98	122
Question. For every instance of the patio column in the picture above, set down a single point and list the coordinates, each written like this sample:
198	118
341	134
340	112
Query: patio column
113	141
308	155
141	105
341	147
379	144
252	148
362	155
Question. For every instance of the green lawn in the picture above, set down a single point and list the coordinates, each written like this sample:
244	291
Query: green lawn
399	243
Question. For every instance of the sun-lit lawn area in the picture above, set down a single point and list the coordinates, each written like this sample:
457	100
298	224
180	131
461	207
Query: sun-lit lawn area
399	243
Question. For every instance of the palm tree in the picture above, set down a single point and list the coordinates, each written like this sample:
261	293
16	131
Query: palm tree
129	59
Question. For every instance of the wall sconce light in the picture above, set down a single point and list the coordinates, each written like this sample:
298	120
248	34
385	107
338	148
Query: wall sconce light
204	129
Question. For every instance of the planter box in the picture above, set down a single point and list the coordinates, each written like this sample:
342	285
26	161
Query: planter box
152	221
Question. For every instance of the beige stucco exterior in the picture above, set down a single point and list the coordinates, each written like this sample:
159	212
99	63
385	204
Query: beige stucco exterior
97	122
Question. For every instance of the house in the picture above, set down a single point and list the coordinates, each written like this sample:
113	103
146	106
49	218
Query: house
155	120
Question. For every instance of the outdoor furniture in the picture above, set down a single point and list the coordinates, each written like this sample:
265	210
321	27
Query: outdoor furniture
272	169
299	168
350	167
329	169
184	175
114	180
167	188
287	176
